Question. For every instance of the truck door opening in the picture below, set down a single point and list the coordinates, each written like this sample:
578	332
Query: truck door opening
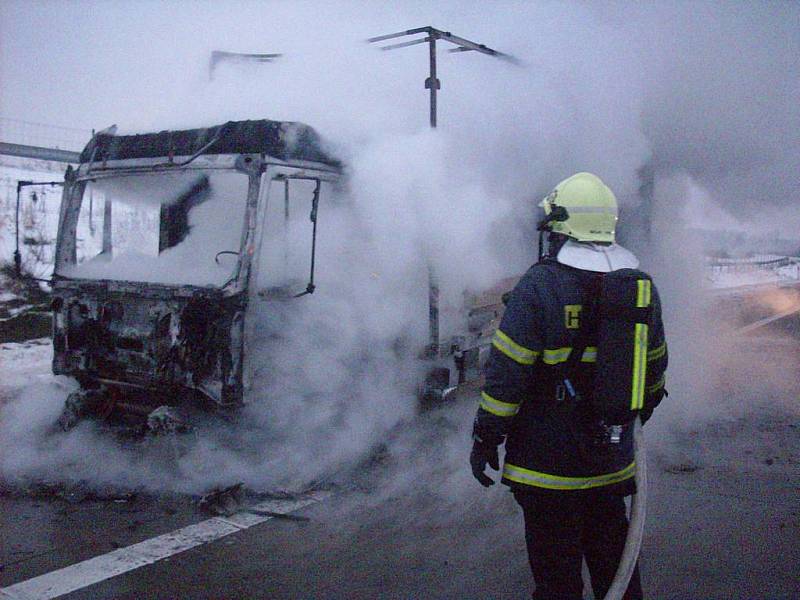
287	258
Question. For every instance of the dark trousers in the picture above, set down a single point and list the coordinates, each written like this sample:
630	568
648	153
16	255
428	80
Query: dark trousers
562	528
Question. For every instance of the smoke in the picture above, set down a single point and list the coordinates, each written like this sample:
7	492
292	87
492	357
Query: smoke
703	95
728	385
737	117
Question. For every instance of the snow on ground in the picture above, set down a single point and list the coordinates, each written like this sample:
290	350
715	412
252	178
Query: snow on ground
24	364
22	361
737	280
747	274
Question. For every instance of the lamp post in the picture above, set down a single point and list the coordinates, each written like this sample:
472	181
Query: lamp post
432	83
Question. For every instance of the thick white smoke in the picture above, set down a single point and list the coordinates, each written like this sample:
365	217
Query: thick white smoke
701	92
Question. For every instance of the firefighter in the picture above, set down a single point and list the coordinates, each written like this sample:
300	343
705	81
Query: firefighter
562	463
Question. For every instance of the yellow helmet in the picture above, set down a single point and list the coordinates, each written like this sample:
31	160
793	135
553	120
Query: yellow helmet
582	207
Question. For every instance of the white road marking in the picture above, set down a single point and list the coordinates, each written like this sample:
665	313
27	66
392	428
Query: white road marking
97	569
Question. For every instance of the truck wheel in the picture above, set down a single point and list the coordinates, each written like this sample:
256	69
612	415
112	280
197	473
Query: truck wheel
79	404
166	420
432	390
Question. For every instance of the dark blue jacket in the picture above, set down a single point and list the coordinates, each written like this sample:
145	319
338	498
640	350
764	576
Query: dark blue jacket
546	439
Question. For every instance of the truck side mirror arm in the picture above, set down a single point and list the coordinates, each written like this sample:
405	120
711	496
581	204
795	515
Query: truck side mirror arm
314	208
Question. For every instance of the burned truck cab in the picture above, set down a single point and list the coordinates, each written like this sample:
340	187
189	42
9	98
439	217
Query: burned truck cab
162	240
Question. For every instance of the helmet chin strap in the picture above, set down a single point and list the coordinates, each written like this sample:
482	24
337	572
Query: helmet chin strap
554	240
542	233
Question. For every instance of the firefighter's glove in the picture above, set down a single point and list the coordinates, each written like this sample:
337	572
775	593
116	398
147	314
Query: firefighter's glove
650	405
483	453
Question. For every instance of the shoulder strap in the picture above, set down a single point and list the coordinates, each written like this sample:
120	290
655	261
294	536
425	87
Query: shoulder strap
567	396
587	328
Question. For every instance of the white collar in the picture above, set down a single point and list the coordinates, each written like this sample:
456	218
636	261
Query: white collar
600	258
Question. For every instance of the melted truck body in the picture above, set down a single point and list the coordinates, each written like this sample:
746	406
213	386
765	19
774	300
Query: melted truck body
164	244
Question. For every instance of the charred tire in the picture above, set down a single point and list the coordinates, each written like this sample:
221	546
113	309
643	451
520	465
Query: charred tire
79	405
431	393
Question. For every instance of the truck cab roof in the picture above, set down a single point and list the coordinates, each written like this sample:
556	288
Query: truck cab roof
284	140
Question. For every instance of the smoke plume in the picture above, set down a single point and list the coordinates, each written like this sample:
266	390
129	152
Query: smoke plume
701	95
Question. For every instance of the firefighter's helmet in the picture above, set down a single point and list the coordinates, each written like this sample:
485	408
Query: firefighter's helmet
583	208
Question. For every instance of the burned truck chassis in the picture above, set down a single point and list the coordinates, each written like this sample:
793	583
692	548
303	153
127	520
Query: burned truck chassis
137	347
195	343
140	345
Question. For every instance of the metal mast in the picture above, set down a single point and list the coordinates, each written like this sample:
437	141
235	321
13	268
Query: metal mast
433	84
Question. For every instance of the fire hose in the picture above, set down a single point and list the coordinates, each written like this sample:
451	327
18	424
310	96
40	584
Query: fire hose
633	541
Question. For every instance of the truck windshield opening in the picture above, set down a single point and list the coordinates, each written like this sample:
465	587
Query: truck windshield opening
181	227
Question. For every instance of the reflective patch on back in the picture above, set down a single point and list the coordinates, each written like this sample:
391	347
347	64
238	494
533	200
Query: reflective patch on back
572	314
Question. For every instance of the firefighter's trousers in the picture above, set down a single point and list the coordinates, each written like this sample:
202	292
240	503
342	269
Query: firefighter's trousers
562	528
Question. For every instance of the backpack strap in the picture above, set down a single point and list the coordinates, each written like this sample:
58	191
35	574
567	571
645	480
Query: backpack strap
567	393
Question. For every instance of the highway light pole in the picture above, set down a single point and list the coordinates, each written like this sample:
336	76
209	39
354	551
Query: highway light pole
432	83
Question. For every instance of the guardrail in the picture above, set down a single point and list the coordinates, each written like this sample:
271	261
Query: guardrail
43	135
751	264
39	152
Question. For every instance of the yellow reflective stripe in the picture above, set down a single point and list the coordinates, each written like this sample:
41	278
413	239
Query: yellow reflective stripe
639	365
554	356
590	354
513	350
643	293
497	407
640	354
557	482
657	385
657	353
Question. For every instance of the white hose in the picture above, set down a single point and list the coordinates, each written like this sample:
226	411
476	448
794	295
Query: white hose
633	542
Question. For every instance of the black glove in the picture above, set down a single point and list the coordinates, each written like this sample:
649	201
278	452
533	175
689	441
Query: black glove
483	453
650	405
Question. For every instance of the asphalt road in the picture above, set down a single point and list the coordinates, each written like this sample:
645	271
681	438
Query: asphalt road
714	531
723	515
